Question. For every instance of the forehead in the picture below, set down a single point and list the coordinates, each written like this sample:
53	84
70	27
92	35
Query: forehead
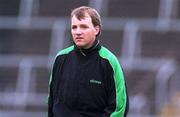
85	20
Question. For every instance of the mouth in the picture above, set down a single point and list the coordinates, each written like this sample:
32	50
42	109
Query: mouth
79	38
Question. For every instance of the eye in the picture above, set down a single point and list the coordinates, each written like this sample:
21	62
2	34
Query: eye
84	26
73	27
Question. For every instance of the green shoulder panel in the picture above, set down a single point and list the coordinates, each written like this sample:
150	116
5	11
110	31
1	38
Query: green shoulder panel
119	82
65	51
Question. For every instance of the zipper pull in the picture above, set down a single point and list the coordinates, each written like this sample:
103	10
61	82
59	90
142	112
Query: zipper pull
82	52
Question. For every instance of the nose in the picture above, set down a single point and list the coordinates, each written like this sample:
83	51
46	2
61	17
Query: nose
78	31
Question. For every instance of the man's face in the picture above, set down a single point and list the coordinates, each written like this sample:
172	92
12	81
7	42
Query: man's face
83	31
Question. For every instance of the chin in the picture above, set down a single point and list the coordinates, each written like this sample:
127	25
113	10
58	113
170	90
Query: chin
80	44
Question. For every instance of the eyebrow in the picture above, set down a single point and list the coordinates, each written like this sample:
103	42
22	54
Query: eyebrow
81	25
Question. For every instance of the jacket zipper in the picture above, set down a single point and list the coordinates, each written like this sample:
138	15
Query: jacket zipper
82	52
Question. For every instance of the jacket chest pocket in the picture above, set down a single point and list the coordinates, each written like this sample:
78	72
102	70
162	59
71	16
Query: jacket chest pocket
91	91
92	87
96	86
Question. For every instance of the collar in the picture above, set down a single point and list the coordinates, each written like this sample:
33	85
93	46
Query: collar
95	47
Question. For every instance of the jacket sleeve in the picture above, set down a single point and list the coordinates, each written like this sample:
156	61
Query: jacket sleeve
50	89
116	90
50	99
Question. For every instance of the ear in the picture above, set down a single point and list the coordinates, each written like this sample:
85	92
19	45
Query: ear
97	28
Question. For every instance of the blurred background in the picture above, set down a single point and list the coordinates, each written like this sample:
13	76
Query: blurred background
143	34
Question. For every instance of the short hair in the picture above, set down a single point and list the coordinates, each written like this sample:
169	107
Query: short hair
80	13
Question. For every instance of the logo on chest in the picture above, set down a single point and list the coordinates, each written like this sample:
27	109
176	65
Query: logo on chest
92	81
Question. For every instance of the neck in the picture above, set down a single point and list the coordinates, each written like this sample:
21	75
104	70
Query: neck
94	47
90	46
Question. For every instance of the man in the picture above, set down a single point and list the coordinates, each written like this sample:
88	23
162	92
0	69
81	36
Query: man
87	79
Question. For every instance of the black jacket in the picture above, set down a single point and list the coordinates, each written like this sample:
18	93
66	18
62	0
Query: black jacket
87	83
